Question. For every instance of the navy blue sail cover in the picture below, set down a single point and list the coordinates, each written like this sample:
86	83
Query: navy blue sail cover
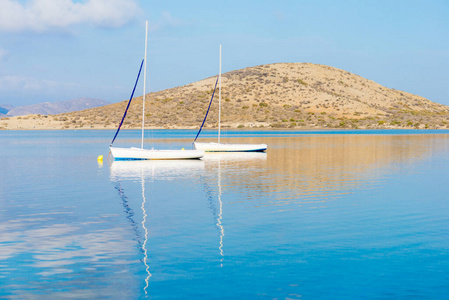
129	102
207	112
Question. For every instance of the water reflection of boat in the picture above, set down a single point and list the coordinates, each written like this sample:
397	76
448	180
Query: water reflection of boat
220	216
160	169
217	210
227	163
148	170
241	156
214	162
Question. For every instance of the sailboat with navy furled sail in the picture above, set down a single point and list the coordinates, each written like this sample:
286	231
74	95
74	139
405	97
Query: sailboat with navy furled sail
135	153
224	147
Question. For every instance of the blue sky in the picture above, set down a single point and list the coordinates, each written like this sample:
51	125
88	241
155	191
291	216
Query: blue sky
55	50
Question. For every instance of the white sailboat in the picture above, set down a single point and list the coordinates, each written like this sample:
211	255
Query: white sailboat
135	153
222	147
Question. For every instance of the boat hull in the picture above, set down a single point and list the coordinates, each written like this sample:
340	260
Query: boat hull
145	154
219	147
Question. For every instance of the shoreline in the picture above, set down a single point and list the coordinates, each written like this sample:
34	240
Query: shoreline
51	122
233	129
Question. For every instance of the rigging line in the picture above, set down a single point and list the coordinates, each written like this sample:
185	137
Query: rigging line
129	102
207	112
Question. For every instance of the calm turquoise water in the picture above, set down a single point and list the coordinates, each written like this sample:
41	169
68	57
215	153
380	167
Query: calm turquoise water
321	215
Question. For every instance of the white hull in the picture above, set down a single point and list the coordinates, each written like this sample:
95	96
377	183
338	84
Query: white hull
138	153
219	147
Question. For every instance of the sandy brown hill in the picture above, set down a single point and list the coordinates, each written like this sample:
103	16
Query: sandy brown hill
294	95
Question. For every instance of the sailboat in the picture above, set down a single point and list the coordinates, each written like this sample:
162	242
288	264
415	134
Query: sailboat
135	153
221	147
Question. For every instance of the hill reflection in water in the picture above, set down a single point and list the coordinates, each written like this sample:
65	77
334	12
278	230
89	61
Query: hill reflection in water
320	167
301	169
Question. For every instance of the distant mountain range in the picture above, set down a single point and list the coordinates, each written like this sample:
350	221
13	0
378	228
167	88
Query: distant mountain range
3	111
53	108
4	108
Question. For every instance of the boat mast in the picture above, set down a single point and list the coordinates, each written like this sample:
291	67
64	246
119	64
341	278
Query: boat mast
219	99
144	81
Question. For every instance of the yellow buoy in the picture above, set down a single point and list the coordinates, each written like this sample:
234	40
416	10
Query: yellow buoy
100	158
182	149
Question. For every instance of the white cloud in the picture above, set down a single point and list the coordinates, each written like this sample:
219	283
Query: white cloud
43	15
24	83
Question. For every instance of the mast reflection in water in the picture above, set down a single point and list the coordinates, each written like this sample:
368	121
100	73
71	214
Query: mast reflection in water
142	170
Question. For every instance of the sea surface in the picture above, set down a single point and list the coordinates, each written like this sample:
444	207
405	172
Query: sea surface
321	215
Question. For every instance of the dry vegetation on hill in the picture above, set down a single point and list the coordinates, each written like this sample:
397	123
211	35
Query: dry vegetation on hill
283	95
